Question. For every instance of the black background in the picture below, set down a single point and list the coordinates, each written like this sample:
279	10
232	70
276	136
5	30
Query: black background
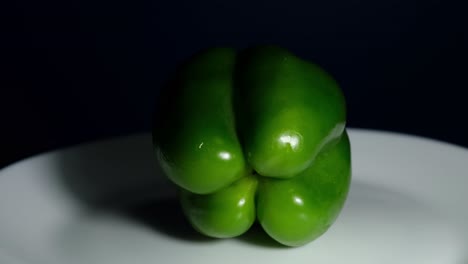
74	71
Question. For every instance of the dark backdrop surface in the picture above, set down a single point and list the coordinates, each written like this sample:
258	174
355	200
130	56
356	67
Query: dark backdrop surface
73	71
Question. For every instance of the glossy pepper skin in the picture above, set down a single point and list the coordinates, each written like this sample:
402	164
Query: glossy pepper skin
255	135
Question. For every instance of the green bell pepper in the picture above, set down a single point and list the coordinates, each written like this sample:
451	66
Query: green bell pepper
255	135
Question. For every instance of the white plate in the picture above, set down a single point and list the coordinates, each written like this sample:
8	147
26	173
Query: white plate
407	204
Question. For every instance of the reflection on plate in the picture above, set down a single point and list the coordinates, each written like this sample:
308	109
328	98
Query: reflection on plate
87	205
